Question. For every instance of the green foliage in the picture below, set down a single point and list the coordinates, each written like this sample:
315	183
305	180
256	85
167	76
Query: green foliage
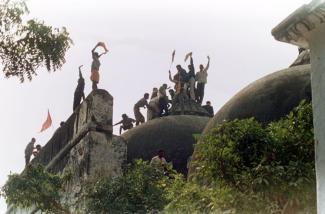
26	46
35	187
141	189
230	148
240	167
264	168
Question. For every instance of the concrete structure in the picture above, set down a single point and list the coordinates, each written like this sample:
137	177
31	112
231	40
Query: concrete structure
306	28
85	147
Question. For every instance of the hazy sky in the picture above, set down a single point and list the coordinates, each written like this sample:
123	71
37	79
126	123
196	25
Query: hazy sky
141	35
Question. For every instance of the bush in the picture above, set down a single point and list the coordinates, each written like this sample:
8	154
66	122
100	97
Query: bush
141	189
35	187
264	169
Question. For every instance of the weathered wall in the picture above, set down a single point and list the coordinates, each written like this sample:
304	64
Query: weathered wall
96	155
97	109
84	147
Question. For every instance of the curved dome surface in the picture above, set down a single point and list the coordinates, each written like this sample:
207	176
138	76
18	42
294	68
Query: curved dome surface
269	98
173	134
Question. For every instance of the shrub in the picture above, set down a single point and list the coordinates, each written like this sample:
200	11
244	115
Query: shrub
35	187
141	189
262	168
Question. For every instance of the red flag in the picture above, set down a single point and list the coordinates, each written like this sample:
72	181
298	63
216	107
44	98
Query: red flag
47	123
173	56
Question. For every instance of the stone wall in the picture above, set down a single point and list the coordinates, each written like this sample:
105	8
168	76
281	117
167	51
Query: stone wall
97	155
84	147
96	112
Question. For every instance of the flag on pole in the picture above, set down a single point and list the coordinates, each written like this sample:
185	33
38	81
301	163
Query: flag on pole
103	45
187	56
173	56
47	123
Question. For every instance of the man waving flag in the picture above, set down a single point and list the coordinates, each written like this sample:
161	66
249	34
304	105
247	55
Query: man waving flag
47	123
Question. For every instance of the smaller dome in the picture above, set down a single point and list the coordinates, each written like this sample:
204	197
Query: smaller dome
173	134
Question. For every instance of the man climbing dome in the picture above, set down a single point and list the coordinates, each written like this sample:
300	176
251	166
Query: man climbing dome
201	78
209	108
96	64
143	102
79	92
29	150
127	123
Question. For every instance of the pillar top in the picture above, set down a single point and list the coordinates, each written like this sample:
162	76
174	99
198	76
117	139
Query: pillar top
296	27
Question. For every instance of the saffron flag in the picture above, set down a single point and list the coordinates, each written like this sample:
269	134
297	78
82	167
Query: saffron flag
47	123
173	56
103	45
187	56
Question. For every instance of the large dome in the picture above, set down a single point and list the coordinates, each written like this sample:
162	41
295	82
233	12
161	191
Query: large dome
174	134
269	98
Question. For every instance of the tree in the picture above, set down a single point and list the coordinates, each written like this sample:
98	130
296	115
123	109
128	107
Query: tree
35	187
26	46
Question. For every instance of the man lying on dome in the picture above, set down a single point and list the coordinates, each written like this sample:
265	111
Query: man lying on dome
127	123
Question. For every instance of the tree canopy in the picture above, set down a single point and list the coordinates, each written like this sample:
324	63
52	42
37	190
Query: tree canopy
28	45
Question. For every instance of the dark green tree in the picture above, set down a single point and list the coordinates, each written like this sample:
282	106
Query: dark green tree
35	187
28	45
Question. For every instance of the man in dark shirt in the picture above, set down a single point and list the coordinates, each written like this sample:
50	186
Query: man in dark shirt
127	123
79	92
143	102
29	150
209	108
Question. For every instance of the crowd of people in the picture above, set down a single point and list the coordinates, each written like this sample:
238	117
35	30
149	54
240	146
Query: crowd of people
187	85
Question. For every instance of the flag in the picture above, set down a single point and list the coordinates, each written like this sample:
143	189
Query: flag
102	44
173	56
47	123
187	56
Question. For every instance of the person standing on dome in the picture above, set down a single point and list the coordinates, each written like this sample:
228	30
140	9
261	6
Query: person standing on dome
96	64
191	78
201	78
143	102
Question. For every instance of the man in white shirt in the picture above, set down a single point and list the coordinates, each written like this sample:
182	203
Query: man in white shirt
201	78
159	161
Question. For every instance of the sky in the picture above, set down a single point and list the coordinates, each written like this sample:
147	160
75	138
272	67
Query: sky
141	35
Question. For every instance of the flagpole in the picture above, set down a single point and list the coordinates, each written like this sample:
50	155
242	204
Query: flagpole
171	63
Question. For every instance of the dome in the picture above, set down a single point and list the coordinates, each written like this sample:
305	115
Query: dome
173	134
269	98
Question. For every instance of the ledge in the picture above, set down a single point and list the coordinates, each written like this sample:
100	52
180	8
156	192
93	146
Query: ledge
294	28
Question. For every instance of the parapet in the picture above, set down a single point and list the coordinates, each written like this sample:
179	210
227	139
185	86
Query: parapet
95	113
